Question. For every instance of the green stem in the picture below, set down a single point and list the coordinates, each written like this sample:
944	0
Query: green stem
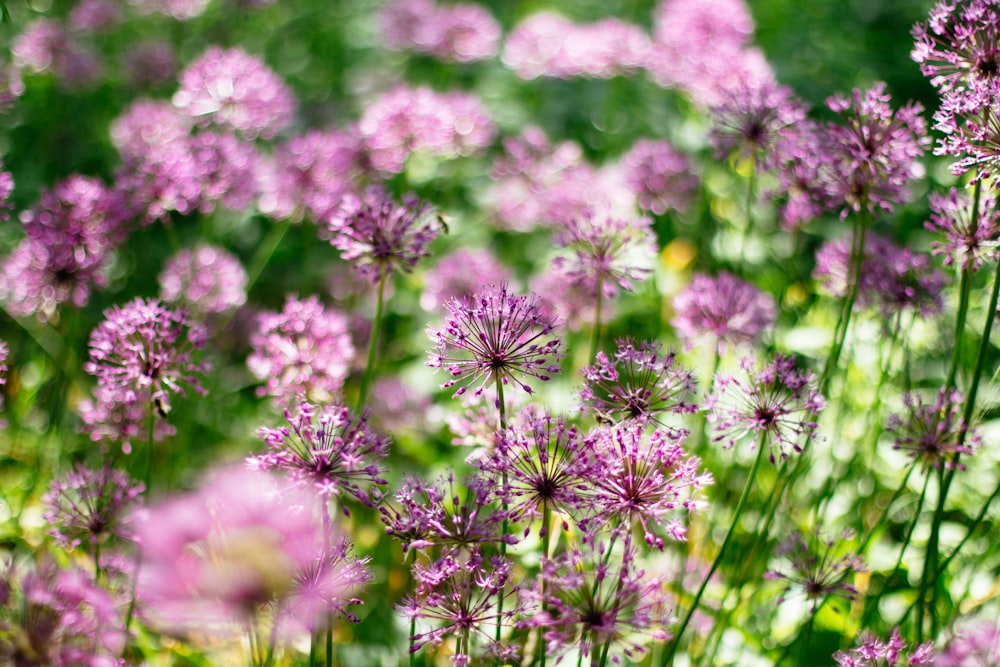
930	560
372	345
761	448
964	291
595	335
264	252
968	533
888	506
546	542
502	419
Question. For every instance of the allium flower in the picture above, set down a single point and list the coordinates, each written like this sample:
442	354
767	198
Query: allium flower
305	350
206	278
976	643
660	176
405	120
568	300
149	64
930	433
458	596
213	558
377	235
146	128
800	157
723	309
182	10
11	86
62	618
424	515
328	448
959	43
143	352
454	33
748	119
459	275
873	652
641	383
873	155
233	90
810	568
965	243
546	44
544	465
94	16
228	171
606	253
495	336
589	599
773	402
645	479
45	46
89	507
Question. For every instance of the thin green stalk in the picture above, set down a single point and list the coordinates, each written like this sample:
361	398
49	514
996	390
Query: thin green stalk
930	560
372	345
895	496
847	307
502	419
964	291
761	448
751	182
546	543
150	431
265	250
595	335
913	524
968	533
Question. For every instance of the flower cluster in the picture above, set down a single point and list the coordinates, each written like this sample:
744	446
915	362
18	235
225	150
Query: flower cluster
933	434
206	278
723	309
874	652
660	176
459	275
811	568
461	32
970	237
312	173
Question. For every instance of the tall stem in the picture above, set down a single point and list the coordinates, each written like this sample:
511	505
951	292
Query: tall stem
372	345
502	421
761	447
595	335
847	307
964	290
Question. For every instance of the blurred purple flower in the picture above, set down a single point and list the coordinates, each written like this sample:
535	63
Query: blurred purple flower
459	275
660	176
94	16
749	119
459	32
975	643
930	432
965	243
809	567
182	10
723	309
873	652
205	278
89	507
149	64
45	46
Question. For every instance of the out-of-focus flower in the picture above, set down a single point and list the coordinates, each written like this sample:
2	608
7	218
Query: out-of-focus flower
809	567
871	651
723	309
406	120
645	479
749	119
459	275
329	585
660	176
182	10
378	236
227	171
328	448
454	33
45	46
975	643
966	243
495	336
641	383
773	402
563	298
303	352
206	278
95	15
146	128
930	433
150	63
233	90
89	507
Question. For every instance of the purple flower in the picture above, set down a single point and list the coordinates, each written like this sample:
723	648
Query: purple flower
207	278
660	176
873	652
45	46
233	90
305	350
568	300
495	336
94	16
146	128
227	169
459	275
930	433
749	119
773	402
377	236
89	507
975	643
543	465
641	383
800	158
182	10
149	64
965	243
723	309
645	479
959	43
454	33
328	448
810	567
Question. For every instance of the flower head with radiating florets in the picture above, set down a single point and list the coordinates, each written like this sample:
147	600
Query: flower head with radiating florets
641	383
495	336
645	479
660	176
873	652
329	448
959	43
724	309
930	433
969	238
749	119
87	507
812	569
303	351
773	401
378	236
206	278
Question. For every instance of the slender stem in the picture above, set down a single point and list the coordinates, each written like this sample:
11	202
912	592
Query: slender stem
595	335
847	307
964	290
930	560
265	250
761	448
546	542
888	506
413	621
972	527
751	182
372	345
502	420
913	524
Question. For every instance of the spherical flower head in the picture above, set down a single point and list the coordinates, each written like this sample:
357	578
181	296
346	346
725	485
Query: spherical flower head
206	278
305	350
871	651
213	558
931	433
233	90
454	33
772	402
328	448
975	642
800	158
606	254
723	309
645	479
872	156
313	173
378	236
969	237
495	336
570	301
45	46
749	119
182	10
227	170
660	176
143	352
959	43
94	16
642	382
811	567
150	64
146	128
459	275
89	507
